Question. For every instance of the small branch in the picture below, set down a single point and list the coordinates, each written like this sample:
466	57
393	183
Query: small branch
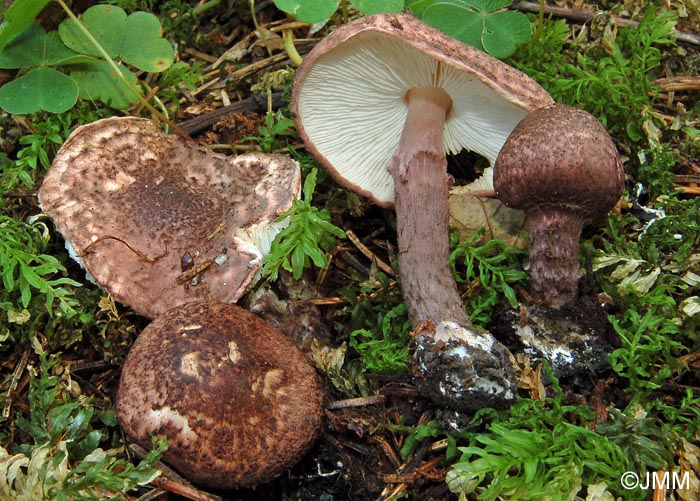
255	103
584	16
356	402
140	254
368	253
679	83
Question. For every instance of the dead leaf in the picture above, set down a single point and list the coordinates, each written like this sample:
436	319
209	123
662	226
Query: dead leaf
469	212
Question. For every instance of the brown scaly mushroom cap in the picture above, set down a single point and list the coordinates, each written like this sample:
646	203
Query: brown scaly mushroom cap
158	221
562	168
237	401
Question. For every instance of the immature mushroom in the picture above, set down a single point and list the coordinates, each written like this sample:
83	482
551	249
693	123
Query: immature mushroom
378	103
561	167
158	221
237	401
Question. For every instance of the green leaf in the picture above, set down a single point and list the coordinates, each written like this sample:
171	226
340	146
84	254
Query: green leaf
309	234
504	31
97	81
457	21
41	89
18	17
106	23
369	7
35	47
483	24
144	46
308	11
135	39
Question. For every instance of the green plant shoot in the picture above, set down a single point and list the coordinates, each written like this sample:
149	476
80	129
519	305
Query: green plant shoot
24	269
306	240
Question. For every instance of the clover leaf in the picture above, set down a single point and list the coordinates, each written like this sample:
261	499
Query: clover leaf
319	11
135	39
484	24
369	7
97	82
35	47
18	16
40	89
308	11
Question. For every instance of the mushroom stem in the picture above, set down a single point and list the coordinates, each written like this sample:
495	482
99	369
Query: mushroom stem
419	169
553	251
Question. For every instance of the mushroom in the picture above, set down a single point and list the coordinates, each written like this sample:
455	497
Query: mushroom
237	401
158	221
561	167
378	103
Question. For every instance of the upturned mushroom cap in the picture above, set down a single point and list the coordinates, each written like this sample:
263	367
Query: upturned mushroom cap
560	156
349	97
158	221
237	401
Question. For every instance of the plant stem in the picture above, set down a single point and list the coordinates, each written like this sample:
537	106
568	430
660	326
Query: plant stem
288	39
344	10
540	21
199	9
257	26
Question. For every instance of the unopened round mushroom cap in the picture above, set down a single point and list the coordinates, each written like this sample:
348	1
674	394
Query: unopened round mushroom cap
349	97
560	156
158	221
237	401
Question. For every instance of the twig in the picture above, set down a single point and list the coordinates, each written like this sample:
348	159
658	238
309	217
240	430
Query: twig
16	375
140	254
193	272
183	490
171	481
254	103
321	301
356	402
679	83
372	257
584	16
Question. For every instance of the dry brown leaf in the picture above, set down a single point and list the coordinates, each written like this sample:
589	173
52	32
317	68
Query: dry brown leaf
469	212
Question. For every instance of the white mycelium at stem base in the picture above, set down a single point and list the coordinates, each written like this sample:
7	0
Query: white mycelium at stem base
421	184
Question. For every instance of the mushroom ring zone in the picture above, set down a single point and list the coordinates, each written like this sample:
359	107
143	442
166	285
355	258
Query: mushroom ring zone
237	401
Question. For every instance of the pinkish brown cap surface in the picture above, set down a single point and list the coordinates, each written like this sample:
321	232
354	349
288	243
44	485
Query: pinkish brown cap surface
237	401
349	97
145	211
560	156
